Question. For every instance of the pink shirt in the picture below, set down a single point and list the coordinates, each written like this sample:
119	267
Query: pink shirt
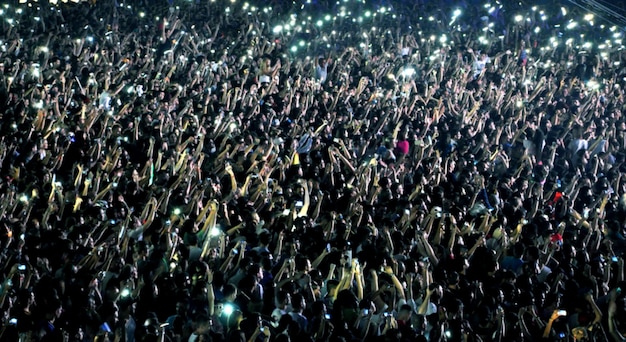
403	146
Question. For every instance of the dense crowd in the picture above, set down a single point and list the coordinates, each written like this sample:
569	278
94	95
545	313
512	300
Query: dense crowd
225	171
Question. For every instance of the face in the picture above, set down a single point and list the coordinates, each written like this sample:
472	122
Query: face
218	308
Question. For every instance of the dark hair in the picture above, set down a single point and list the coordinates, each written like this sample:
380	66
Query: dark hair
229	290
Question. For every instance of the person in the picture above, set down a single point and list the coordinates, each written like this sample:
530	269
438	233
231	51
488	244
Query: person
321	70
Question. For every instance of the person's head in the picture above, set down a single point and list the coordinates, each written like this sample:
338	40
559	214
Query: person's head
109	312
247	284
437	292
218	308
298	303
182	307
331	285
303	264
201	324
257	271
230	292
404	314
283	299
112	291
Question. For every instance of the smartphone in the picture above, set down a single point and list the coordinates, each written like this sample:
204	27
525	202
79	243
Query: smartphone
262	329
13	321
299	204
21	267
105	327
614	259
328	247
327	316
366	312
562	313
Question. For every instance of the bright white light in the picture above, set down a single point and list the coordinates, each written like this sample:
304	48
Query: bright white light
518	18
228	309
571	25
592	84
588	17
408	72
277	29
215	232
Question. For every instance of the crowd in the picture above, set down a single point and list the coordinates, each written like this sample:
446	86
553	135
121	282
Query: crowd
224	171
